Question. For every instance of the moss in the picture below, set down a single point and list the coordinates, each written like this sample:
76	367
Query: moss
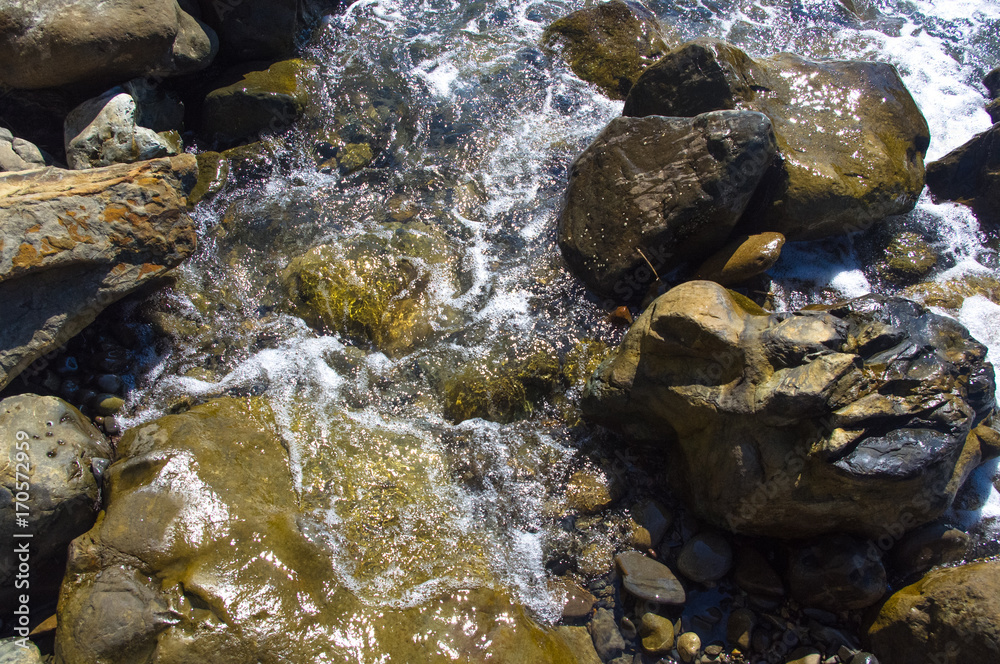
952	293
583	359
213	171
746	304
908	259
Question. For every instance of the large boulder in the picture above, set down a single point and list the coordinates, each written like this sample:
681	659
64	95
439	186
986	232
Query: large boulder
852	138
970	174
205	553
609	44
50	488
851	418
73	242
950	615
659	191
256	29
98	42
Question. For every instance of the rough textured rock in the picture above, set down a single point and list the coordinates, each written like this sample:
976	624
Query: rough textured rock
104	131
51	453
230	569
73	242
950	615
866	163
11	652
836	573
608	641
992	83
256	100
667	189
99	42
609	44
908	259
927	546
852	418
970	174
17	154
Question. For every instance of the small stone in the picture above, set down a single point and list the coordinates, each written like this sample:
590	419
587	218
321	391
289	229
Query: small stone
588	491
745	257
111	426
640	538
627	628
835	573
108	404
109	383
654	517
355	156
713	651
755	575
761	641
657	634
706	557
804	656
688	645
650	580
578	602
739	629
608	641
908	259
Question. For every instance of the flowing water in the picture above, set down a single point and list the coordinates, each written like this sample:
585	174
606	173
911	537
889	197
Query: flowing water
472	127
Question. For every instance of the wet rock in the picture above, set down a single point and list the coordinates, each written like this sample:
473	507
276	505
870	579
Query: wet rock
608	641
993	109
909	257
739	628
253	100
949	615
255	29
648	579
844	419
742	258
864	658
804	656
108	404
657	634
866	163
13	652
952	293
706	557
580	644
989	439
836	573
609	44
578	602
755	575
926	547
688	646
104	131
50	448
654	518
655	191
96	43
589	491
992	83
213	172
970	174
354	156
17	154
74	242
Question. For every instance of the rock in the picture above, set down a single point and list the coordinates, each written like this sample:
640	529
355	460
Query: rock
952	293
706	557
992	83
970	174
74	242
580	644
254	29
654	518
864	658
993	110
354	156
17	154
589	491
866	163
755	575
103	131
255	100
97	43
608	641
50	449
688	646
656	191
231	535
213	172
108	404
13	652
648	579
657	634
989	439
742	258
951	614
739	628
908	259
578	602
609	44
835	574
804	656
843	419
926	547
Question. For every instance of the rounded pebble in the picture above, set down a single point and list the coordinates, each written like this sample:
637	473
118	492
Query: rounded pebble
688	645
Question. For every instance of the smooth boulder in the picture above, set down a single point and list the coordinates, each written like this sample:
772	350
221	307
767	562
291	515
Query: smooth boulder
74	242
854	418
654	192
970	174
851	137
99	42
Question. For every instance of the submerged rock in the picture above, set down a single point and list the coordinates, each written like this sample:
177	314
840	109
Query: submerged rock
74	242
836	573
95	42
950	615
844	419
256	29
659	191
866	162
970	174
609	44
908	259
649	580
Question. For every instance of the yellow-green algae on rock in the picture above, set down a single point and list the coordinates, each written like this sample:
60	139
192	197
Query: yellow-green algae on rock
205	554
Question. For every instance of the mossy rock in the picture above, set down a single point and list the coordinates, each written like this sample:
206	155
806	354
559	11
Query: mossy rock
908	259
213	171
951	294
583	359
609	44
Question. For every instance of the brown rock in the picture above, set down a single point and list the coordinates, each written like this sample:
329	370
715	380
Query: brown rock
744	257
970	174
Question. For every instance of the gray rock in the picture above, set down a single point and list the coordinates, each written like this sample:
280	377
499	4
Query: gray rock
74	242
648	579
662	190
608	641
11	652
855	418
52	445
17	154
706	557
99	42
103	131
837	573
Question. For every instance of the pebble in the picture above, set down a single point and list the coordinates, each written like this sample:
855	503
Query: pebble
111	426
627	628
578	603
739	629
804	656
108	404
588	491
742	258
688	645
654	517
864	658
657	634
608	641
705	558
650	580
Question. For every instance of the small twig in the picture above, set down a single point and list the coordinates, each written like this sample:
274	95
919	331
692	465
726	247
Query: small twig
648	263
